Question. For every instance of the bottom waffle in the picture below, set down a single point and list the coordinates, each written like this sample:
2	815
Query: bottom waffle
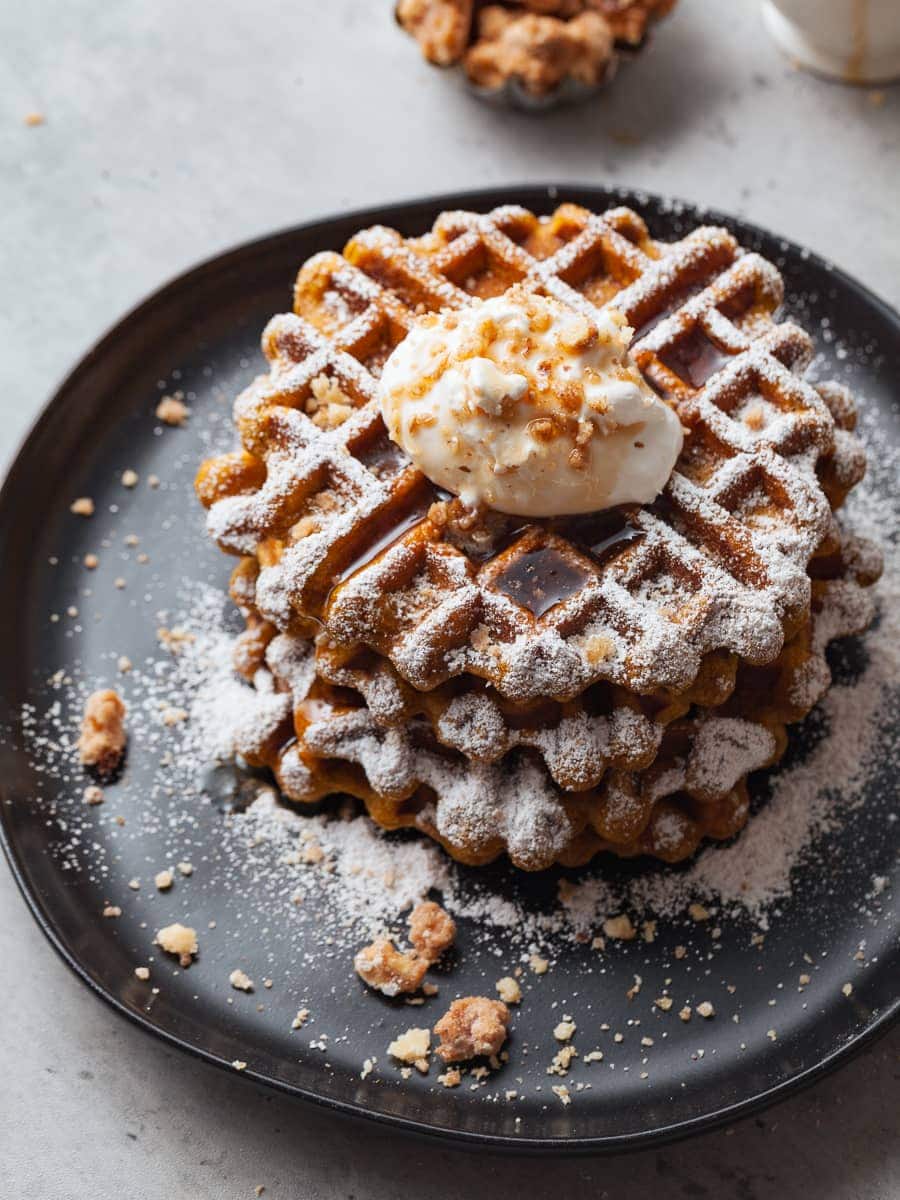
320	740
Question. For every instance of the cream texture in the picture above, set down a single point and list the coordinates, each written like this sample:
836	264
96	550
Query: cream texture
526	406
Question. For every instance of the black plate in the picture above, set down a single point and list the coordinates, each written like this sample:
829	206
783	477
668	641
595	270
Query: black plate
201	333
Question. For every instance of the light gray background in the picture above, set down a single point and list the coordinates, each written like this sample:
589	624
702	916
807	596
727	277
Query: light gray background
176	129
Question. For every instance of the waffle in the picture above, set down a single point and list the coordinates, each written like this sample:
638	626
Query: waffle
578	740
350	537
695	789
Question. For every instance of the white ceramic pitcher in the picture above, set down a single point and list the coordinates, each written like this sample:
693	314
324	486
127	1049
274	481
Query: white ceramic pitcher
857	41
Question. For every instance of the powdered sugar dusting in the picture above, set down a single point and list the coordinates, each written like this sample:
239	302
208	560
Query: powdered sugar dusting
375	874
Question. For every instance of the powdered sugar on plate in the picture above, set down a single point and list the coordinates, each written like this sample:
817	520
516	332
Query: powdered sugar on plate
371	876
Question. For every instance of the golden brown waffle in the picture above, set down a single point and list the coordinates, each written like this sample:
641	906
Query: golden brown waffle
695	789
347	532
578	740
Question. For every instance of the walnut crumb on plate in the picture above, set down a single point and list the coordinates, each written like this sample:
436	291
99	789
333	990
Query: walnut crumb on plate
413	1046
180	940
241	981
620	927
472	1027
388	970
508	990
431	930
101	743
172	410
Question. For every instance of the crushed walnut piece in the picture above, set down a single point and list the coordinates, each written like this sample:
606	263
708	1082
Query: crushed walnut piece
413	1047
431	930
164	879
562	1060
441	27
538	51
327	406
388	970
311	854
508	990
541	41
472	1026
180	940
620	927
564	1030
102	740
172	410
240	980
82	507
92	794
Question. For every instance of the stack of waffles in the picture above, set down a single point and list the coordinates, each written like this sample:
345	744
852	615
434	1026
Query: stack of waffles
549	688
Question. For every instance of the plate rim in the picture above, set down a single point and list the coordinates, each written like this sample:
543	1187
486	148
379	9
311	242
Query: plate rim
529	194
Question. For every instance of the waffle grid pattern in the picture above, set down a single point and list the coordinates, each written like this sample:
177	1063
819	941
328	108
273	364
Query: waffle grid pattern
738	522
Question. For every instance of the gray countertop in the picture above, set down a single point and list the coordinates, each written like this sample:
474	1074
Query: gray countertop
174	130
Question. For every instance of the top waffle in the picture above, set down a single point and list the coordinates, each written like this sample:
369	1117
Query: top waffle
350	536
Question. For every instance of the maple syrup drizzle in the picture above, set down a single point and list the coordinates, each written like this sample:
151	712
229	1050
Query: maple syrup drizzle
544	576
392	534
601	536
540	578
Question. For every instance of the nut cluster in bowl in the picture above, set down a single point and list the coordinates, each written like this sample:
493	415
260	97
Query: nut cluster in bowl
533	52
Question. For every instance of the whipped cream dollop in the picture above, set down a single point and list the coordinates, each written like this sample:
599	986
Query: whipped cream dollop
525	405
